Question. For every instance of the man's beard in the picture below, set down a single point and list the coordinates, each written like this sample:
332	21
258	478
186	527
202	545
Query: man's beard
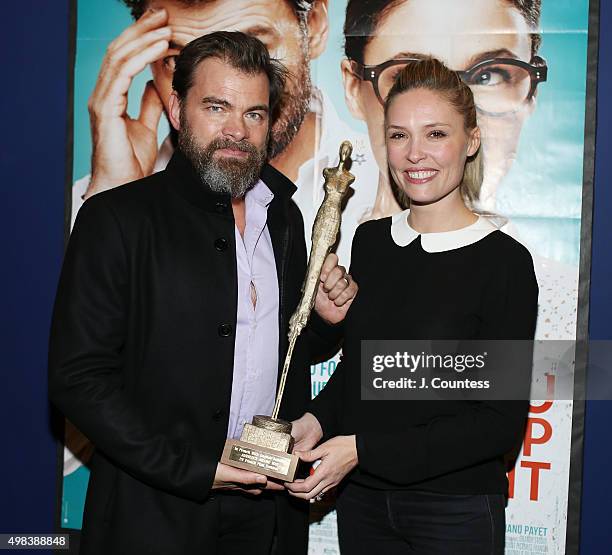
294	105
223	175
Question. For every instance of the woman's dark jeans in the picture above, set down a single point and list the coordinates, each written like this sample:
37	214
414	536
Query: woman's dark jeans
394	522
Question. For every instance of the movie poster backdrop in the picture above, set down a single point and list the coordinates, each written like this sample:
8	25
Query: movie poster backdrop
529	77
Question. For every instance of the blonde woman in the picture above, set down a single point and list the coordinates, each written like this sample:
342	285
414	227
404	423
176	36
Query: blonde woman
426	477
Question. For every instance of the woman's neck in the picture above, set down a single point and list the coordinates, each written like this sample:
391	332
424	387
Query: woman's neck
448	214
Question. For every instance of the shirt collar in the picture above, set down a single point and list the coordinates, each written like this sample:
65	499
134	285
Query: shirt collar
261	194
403	234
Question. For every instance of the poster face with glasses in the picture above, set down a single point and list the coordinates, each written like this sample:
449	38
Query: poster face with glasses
526	65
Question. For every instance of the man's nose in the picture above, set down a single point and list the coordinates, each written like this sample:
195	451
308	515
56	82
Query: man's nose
235	128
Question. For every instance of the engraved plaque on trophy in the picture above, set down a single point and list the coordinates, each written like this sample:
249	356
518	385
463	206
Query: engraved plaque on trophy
265	447
266	444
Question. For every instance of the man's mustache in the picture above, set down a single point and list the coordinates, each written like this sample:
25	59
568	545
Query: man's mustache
244	146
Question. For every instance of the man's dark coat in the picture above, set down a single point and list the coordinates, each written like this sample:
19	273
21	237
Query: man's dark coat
142	350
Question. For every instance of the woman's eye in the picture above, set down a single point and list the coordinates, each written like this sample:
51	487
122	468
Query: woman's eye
490	77
396	136
437	134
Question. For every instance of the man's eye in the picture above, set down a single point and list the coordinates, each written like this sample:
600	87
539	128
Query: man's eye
255	116
170	62
214	109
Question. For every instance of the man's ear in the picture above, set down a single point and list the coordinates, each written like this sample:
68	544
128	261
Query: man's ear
174	111
474	141
318	28
352	90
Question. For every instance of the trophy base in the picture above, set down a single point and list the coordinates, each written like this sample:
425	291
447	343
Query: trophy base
263	460
264	447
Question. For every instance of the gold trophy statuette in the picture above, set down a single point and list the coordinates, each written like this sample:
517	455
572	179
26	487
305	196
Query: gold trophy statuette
266	444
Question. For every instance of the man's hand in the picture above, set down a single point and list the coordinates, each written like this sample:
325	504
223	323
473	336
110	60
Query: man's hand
338	457
125	149
306	431
336	291
230	478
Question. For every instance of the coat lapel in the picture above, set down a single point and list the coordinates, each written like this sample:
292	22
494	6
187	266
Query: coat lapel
282	242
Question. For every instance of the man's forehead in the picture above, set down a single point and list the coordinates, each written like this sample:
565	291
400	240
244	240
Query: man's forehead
215	77
255	17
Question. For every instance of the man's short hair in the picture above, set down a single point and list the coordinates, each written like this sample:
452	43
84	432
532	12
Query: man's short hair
243	52
138	7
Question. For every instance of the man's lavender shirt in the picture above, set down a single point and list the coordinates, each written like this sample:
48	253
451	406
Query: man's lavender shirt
256	346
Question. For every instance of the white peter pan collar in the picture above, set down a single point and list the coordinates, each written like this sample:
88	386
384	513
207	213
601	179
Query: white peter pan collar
403	234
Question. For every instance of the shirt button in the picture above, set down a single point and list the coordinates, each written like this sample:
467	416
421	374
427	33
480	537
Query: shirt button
221	244
221	207
225	330
217	415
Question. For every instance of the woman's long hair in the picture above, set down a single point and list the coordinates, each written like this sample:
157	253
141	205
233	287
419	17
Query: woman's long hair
431	74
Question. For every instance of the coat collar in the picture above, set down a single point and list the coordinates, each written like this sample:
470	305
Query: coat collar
188	184
403	234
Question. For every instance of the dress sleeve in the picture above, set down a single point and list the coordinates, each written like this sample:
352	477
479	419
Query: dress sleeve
324	340
484	430
327	405
86	362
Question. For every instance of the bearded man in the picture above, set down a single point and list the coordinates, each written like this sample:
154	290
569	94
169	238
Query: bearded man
171	321
304	138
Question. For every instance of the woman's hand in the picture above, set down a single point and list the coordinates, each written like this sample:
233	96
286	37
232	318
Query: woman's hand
307	432
338	457
336	291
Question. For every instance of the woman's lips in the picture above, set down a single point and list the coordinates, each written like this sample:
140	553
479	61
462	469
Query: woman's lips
419	176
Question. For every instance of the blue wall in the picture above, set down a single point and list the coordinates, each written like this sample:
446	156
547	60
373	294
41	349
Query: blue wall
596	525
34	111
34	84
